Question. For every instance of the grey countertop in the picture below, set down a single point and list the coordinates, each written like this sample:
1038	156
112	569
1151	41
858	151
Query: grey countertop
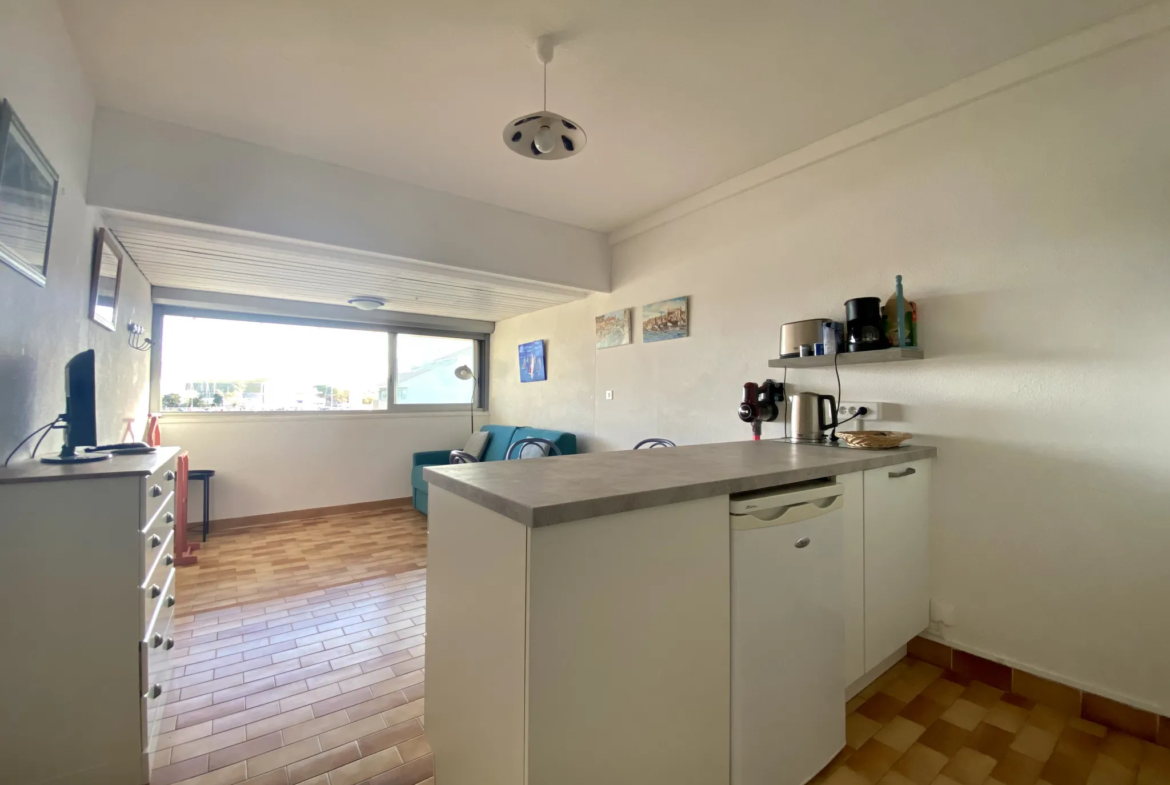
118	466
546	491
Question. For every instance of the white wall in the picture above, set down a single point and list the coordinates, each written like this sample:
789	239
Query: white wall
158	168
278	462
41	328
1033	229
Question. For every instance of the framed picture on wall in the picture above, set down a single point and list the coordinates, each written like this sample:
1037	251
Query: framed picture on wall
532	362
28	197
106	280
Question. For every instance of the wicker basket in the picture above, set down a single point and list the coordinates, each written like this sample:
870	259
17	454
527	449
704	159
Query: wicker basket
874	440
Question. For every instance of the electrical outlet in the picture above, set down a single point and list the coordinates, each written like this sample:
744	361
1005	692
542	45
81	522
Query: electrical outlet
609	395
849	408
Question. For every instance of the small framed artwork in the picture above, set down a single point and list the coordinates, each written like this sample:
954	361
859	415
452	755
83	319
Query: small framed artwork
613	329
106	280
28	197
532	362
665	320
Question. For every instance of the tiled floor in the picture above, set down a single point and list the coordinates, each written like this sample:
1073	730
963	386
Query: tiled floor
283	559
325	687
919	725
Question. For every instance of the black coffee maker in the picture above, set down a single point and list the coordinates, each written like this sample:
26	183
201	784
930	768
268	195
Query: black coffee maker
864	328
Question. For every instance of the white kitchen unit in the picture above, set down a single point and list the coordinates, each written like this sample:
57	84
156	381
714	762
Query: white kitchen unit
787	633
586	652
87	594
580	611
897	557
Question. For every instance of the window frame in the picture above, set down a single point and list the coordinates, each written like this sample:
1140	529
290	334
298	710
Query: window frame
480	341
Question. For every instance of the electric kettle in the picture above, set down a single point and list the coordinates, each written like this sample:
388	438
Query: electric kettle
806	416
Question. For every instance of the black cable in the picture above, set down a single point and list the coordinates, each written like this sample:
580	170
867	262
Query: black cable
784	382
837	403
25	439
43	435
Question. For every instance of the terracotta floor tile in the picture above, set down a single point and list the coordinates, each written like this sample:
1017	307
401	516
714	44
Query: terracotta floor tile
1062	769
943	691
314	727
404	712
965	714
859	729
921	764
1016	768
229	775
248	749
366	768
1048	719
177	772
944	737
1108	771
892	777
881	708
899	734
923	711
409	773
246	717
990	740
278	721
1035	743
351	732
1006	716
1111	714
872	760
1123	748
417	747
982	694
389	737
330	762
842	776
290	753
969	767
216	741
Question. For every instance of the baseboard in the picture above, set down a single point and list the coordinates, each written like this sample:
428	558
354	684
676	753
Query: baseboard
248	521
1121	713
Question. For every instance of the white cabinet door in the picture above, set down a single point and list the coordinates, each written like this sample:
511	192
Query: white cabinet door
897	557
854	550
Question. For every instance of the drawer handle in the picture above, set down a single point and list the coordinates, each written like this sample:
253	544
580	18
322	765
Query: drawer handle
156	640
170	644
169	476
156	490
803	542
155	591
155	691
170	601
169	518
169	560
907	473
155	541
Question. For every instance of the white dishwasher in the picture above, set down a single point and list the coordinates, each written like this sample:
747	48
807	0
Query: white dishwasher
787	633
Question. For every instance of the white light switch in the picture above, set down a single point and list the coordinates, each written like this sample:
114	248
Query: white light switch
609	395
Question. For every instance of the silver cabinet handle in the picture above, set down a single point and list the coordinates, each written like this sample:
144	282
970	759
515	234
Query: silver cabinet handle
155	591
155	541
170	601
803	542
155	691
170	644
907	473
156	490
169	476
169	560
156	640
169	518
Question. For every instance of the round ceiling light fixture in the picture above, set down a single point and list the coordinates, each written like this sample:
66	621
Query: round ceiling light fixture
545	135
367	303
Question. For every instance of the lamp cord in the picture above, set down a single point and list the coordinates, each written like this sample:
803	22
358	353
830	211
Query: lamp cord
545	86
34	433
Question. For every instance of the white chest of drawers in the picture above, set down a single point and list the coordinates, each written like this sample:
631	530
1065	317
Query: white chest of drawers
87	594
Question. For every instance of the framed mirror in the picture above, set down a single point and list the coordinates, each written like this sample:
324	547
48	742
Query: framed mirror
28	196
106	282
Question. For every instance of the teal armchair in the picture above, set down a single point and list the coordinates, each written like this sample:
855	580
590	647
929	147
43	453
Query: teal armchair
502	437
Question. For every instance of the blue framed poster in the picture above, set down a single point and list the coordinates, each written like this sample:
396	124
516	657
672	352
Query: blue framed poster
532	362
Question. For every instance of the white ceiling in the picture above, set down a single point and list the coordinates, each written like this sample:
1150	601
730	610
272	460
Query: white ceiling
676	95
189	256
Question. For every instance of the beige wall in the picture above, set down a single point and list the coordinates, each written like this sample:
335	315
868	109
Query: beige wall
268	463
41	328
1033	228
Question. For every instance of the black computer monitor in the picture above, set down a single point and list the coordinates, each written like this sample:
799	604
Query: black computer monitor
80	416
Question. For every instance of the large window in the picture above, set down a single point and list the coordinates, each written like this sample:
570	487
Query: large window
214	363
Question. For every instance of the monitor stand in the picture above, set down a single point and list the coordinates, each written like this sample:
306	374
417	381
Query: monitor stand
69	455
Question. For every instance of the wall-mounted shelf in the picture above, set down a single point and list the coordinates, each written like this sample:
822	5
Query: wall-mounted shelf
849	358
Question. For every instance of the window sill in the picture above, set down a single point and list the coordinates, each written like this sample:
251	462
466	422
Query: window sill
187	418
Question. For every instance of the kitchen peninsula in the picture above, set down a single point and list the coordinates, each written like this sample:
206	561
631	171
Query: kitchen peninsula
579	612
